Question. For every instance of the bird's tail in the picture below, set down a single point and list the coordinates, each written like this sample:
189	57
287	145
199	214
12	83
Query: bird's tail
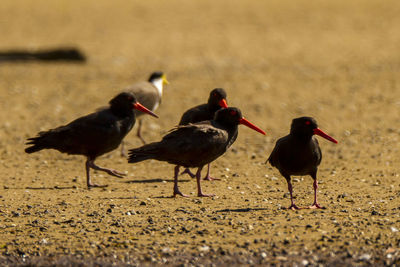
149	151
42	141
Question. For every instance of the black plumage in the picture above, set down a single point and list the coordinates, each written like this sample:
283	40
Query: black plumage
92	135
203	112
299	154
194	145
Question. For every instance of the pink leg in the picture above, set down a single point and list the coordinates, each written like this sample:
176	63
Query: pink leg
139	132
199	191
208	177
290	188
90	164
176	189
123	151
315	205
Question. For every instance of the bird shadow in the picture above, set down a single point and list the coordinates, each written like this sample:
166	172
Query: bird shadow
241	210
42	188
165	197
157	180
118	198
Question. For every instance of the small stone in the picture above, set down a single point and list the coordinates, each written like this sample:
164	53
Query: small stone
304	262
365	257
204	248
263	255
166	250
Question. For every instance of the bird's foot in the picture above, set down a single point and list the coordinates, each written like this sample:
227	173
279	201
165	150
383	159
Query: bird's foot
293	207
187	171
209	178
200	194
115	173
178	192
96	185
316	206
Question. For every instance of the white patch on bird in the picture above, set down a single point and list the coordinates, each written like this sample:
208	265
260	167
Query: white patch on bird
158	83
155	106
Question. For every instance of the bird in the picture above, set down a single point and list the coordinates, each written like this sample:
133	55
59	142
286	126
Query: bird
195	145
93	135
203	112
298	153
148	93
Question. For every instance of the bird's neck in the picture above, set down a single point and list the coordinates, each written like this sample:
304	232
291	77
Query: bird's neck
158	83
122	112
213	108
302	137
232	129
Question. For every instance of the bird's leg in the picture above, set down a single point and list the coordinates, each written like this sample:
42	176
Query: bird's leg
199	191
290	188
187	171
123	150
88	181
139	132
315	185
109	171
176	189
208	177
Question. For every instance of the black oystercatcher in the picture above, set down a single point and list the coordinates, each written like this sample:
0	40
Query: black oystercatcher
149	94
204	112
93	135
299	154
195	145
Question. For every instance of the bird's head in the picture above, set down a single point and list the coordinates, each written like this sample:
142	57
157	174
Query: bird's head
218	98
126	101
307	127
233	117
158	77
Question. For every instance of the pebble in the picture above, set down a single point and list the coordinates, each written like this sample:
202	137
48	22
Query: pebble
365	257
304	262
166	250
204	248
263	255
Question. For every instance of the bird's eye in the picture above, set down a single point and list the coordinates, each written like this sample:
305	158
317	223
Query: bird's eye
130	98
214	94
308	122
233	113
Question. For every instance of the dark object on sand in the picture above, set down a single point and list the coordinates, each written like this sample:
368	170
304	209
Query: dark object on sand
204	112
195	145
92	135
57	54
299	154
